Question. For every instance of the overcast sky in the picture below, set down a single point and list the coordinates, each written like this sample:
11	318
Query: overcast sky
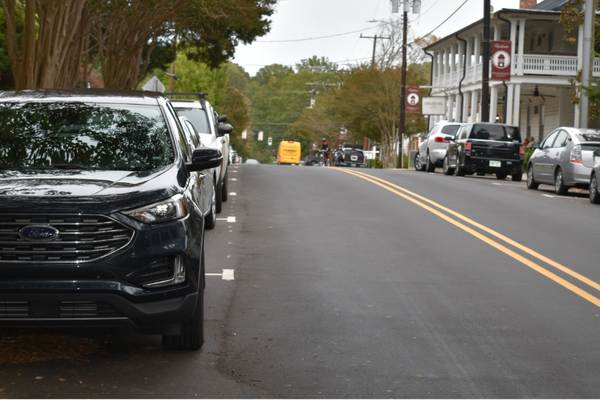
294	21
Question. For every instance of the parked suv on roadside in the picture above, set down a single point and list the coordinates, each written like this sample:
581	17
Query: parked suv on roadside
486	148
214	133
432	150
102	209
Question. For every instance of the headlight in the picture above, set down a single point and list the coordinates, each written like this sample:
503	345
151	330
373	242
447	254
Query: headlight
168	210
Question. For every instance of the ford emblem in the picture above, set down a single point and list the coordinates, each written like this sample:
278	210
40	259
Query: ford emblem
39	233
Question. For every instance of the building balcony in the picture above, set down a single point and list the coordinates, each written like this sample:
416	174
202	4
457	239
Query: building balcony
527	64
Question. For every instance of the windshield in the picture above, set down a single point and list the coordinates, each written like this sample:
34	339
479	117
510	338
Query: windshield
83	136
197	116
495	132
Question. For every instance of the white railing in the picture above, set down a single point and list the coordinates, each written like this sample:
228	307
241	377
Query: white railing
531	65
548	65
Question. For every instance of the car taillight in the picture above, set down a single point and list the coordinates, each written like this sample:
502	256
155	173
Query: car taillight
467	149
441	139
576	154
522	152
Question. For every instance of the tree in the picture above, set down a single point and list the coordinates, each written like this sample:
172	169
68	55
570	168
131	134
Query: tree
236	106
316	64
120	36
50	51
369	105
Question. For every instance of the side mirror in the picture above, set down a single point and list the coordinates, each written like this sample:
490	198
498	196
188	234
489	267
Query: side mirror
535	145
450	138
222	119
205	158
224	129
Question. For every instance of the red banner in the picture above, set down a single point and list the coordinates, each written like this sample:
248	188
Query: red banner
501	62
413	99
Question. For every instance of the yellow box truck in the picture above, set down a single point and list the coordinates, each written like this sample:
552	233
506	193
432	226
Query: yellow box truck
289	152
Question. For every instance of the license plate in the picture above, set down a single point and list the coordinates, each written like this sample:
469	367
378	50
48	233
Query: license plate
352	164
495	163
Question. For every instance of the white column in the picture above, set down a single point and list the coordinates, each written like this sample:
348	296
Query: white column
496	32
509	103
521	46
453	58
477	51
493	103
439	66
474	101
465	106
445	66
450	114
517	104
513	39
577	117
469	50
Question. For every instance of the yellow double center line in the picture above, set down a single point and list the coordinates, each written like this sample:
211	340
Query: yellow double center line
421	202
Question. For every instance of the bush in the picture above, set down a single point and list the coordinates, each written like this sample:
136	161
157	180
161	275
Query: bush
376	163
528	153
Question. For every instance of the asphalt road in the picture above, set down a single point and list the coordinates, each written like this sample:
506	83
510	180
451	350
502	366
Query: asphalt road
354	283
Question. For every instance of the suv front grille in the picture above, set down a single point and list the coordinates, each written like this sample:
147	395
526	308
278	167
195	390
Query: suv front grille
57	309
80	239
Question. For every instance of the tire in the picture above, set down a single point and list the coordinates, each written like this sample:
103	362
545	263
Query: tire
219	193
446	167
559	185
458	171
224	189
312	163
192	330
517	177
210	221
429	166
418	165
594	190
501	176
531	183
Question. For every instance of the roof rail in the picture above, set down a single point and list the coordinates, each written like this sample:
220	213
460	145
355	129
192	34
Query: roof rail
202	95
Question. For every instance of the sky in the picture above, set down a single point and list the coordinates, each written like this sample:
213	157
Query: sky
342	22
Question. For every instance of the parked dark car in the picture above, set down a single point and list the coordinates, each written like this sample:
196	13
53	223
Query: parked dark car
486	148
102	210
353	155
311	160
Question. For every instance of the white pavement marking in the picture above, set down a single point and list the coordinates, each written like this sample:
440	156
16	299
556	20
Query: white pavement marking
228	219
227	274
232	193
233	179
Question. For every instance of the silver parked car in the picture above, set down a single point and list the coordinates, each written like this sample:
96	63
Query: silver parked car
594	188
433	148
564	159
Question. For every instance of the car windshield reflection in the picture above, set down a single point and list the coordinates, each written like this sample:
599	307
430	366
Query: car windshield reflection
83	136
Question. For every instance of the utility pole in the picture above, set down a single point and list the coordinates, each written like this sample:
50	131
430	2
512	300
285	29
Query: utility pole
403	86
374	45
588	40
485	82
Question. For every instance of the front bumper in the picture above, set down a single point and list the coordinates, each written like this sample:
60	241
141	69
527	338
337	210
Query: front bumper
101	292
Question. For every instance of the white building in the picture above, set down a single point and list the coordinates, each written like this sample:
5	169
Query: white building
538	97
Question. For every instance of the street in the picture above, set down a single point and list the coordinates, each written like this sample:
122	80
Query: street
362	283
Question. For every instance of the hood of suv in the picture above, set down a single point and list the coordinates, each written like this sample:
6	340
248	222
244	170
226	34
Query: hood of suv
84	190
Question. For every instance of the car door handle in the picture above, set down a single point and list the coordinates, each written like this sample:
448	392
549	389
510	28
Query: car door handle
202	176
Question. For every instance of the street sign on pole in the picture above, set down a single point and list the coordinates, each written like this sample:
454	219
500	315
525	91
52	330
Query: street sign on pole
413	99
260	135
501	62
244	134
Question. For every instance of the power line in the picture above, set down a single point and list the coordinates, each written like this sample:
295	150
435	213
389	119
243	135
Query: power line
316	38
446	20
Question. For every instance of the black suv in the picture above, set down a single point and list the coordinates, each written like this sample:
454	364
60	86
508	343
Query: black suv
101	214
486	148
